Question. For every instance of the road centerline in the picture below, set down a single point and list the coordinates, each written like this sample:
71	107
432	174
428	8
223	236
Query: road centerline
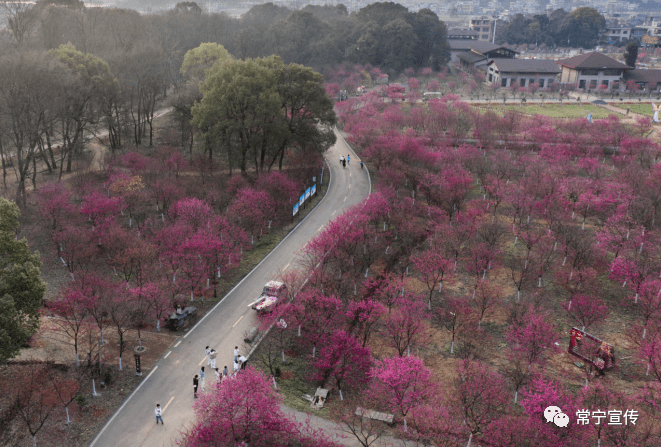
130	422
237	321
292	231
166	405
123	405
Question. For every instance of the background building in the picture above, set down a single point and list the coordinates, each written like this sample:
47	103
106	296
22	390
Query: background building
484	27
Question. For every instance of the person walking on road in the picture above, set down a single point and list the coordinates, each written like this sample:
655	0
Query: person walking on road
207	352
348	159
202	377
341	159
225	372
158	414
196	383
217	374
361	164
212	357
344	163
236	367
236	353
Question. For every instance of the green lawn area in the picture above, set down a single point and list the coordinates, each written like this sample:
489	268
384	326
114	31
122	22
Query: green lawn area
643	108
556	110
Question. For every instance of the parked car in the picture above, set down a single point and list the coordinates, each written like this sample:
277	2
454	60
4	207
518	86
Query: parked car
178	319
273	292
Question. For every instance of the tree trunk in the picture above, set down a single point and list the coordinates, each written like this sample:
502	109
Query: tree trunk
4	166
282	157
43	154
34	173
50	151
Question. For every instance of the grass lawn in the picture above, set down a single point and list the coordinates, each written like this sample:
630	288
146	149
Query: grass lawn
642	108
293	388
556	110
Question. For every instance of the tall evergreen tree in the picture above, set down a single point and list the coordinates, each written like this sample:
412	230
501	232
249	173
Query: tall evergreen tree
631	54
21	286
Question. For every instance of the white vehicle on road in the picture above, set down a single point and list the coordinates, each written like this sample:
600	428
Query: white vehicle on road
272	292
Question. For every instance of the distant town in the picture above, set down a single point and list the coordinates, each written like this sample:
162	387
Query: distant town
635	14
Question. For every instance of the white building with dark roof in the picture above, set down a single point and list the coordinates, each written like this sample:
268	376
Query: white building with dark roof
505	72
590	70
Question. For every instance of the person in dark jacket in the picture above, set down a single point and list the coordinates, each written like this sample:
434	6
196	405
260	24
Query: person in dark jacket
196	383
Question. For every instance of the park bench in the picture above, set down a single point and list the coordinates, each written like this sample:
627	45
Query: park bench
319	398
375	415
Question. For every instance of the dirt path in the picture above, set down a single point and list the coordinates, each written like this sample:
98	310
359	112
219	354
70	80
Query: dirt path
334	431
99	150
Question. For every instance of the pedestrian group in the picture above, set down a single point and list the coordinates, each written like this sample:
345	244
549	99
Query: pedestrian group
239	364
346	161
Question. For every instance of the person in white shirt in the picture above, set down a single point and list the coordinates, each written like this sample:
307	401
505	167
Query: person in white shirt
236	367
207	352
158	414
242	362
212	356
236	353
202	378
217	374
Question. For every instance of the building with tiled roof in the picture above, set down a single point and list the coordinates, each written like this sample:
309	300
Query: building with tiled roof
475	52
647	80
504	72
590	70
480	47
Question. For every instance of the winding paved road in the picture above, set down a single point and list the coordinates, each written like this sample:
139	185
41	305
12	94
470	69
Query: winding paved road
170	380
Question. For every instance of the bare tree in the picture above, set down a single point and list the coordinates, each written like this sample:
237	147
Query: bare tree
352	419
35	397
21	20
26	99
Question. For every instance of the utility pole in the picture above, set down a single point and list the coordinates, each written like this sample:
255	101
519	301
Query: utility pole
495	21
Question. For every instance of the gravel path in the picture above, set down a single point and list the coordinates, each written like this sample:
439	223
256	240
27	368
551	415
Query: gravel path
335	432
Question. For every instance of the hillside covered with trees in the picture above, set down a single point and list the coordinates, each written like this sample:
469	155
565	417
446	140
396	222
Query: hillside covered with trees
578	29
385	35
